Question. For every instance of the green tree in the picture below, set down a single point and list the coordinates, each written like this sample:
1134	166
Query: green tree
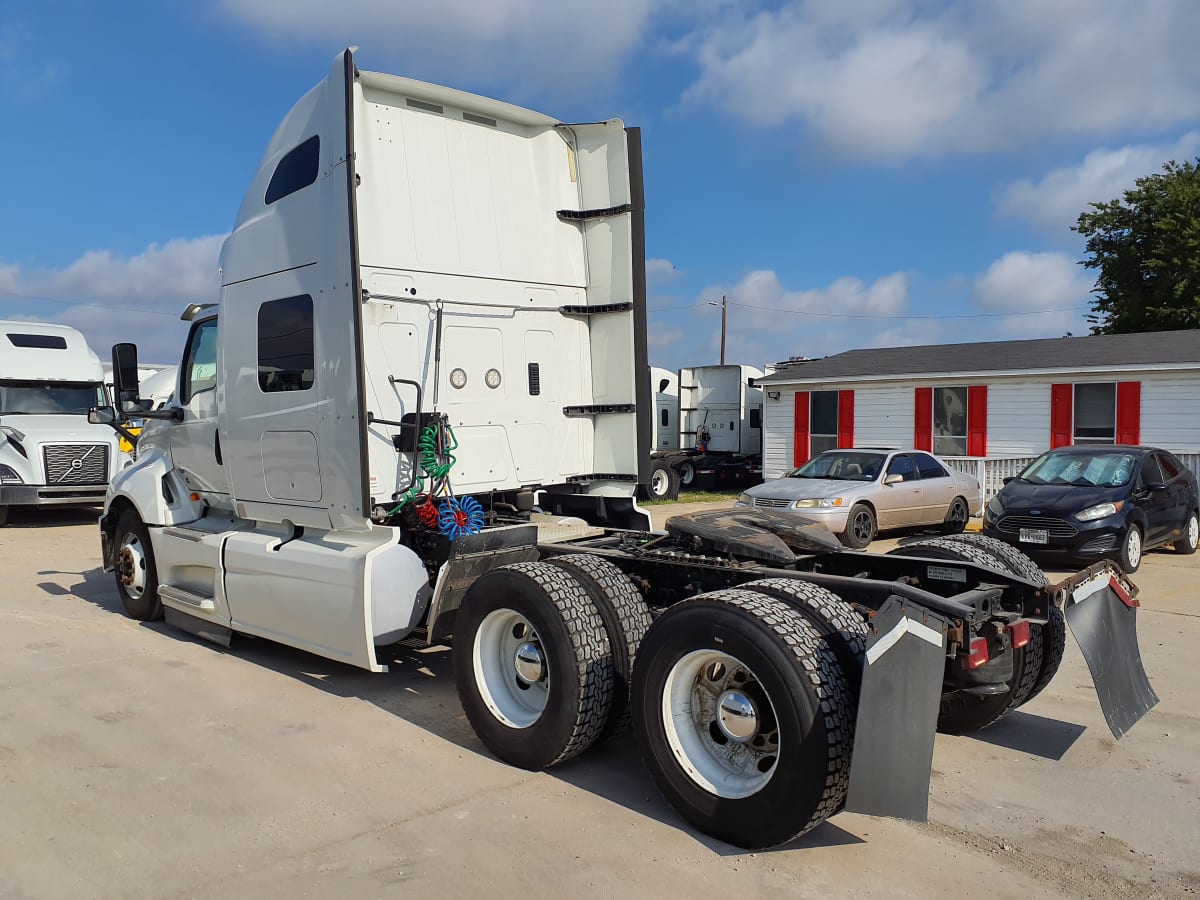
1145	249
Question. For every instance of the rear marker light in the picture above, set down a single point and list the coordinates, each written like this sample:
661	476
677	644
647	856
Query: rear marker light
1019	633
977	655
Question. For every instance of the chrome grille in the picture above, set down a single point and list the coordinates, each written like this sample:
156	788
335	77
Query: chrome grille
76	463
1056	527
774	504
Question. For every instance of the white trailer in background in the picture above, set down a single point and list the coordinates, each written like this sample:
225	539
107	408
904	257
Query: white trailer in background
49	453
664	385
719	431
427	364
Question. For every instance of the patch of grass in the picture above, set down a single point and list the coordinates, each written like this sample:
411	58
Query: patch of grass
697	497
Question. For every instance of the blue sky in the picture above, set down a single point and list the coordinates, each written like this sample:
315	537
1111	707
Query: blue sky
874	173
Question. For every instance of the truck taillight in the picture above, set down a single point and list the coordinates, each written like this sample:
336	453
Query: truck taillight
1019	633
977	655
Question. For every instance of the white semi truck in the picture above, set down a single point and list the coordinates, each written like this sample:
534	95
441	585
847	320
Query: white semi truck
50	455
718	432
420	411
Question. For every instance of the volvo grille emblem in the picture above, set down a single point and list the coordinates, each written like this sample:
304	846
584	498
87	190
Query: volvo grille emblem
77	464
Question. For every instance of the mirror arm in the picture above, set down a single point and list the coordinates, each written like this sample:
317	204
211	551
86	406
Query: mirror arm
172	414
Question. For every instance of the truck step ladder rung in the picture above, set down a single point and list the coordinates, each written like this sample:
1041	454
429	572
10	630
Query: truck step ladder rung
187	597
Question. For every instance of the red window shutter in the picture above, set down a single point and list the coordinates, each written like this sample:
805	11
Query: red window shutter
845	418
1129	412
1062	401
800	430
977	420
923	431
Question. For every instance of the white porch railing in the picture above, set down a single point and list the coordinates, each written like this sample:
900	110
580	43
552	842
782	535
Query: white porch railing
992	470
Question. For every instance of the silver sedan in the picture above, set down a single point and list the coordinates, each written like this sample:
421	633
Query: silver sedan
856	493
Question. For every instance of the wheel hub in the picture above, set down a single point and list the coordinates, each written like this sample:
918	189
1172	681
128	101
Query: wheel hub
737	716
529	663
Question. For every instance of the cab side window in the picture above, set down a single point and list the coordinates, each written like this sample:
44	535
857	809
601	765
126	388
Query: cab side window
200	361
902	464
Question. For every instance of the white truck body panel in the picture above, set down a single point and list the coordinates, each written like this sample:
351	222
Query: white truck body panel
720	399
50	454
664	387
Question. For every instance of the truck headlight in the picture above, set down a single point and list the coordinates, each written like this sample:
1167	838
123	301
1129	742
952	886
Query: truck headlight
8	475
1099	511
822	503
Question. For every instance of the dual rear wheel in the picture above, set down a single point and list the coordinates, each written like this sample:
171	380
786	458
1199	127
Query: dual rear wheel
742	700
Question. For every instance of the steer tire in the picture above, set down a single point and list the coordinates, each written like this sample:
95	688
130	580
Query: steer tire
842	627
664	481
141	603
791	771
962	712
626	620
578	683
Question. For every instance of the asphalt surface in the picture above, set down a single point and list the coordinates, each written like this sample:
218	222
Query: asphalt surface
136	761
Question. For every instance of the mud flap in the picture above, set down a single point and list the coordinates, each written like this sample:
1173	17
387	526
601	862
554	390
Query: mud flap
897	712
1102	615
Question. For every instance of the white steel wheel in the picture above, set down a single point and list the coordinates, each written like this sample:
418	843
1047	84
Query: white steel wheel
511	669
1131	549
1191	533
720	724
131	565
687	474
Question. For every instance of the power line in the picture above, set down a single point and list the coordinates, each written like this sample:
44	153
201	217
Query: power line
801	312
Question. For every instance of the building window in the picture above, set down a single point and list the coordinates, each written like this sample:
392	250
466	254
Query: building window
950	421
1096	413
285	344
823	433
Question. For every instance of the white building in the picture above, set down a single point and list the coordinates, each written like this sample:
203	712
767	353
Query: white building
1002	401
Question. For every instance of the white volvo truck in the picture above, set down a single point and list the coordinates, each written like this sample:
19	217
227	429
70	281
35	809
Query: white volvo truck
420	410
50	454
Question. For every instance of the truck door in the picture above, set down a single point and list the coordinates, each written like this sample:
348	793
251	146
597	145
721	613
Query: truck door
195	444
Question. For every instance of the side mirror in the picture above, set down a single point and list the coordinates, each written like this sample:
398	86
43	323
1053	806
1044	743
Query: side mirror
103	415
125	377
1010	478
893	478
1156	487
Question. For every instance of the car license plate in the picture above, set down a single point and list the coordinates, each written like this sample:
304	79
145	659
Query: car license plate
1035	535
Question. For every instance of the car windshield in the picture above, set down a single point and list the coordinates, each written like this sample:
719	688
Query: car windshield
1099	469
33	398
841	466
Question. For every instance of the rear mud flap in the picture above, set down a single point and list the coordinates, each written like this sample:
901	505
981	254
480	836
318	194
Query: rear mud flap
897	712
1102	614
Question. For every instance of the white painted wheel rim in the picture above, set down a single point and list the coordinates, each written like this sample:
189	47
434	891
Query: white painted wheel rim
132	561
1133	547
732	769
658	483
509	697
1193	531
687	474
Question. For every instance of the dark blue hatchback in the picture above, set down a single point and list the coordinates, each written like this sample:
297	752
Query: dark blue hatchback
1095	502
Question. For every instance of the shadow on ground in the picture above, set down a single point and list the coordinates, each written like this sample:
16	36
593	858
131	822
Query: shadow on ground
1028	733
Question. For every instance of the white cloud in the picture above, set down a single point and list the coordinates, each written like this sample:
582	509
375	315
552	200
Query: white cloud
760	300
1044	291
660	271
901	78
1055	201
553	47
661	337
111	298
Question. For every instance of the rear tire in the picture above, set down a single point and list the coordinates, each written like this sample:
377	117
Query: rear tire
687	474
743	717
136	573
1185	545
626	621
664	481
962	712
837	621
860	527
956	517
532	664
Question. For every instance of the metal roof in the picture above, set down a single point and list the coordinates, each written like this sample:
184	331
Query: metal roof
1103	351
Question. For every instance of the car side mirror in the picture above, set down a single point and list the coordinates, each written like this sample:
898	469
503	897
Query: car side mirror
1156	487
1009	478
103	415
894	478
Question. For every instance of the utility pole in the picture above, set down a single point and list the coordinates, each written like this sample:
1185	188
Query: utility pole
722	304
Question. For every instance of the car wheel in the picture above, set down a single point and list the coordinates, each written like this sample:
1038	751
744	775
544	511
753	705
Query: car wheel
956	517
1131	550
860	527
1191	533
